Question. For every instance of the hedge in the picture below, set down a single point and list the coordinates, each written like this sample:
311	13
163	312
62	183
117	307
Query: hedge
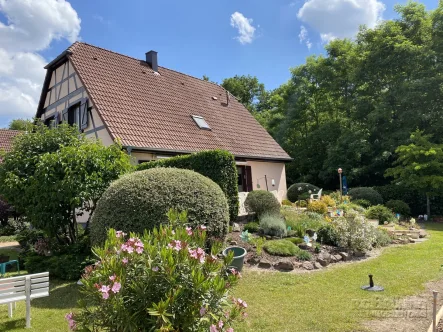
218	165
141	200
366	193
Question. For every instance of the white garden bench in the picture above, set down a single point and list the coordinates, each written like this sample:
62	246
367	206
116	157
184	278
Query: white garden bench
317	196
24	288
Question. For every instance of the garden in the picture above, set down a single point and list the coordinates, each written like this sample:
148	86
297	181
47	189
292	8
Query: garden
129	246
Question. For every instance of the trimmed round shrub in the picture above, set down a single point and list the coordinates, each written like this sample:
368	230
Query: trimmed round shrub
272	224
400	207
298	189
252	227
362	202
140	201
366	193
317	207
379	212
261	202
281	248
327	235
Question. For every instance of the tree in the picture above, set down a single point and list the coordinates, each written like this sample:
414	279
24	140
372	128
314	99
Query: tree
21	124
205	78
54	175
247	89
419	165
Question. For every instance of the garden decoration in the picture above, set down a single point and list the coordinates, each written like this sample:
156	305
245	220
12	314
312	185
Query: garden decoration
307	241
314	237
245	236
371	287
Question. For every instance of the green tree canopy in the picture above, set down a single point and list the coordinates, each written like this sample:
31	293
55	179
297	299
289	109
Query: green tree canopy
247	89
53	175
419	165
21	124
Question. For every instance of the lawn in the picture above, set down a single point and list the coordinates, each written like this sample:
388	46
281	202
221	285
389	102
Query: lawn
320	301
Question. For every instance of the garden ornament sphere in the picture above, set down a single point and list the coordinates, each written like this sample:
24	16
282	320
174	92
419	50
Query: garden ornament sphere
340	171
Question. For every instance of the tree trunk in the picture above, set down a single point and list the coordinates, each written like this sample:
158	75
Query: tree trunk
428	206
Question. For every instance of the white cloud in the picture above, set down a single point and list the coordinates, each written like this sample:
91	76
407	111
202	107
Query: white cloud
303	36
340	18
31	27
244	26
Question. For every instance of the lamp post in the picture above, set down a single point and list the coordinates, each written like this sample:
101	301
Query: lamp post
340	171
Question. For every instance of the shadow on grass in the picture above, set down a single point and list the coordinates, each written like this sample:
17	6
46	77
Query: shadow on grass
13	324
62	295
432	226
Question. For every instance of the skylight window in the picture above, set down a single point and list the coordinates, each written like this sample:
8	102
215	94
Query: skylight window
201	123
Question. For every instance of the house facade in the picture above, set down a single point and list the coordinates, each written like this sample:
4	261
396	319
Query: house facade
157	113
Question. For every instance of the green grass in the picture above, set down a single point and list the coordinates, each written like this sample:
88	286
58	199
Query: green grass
328	300
321	301
281	248
10	238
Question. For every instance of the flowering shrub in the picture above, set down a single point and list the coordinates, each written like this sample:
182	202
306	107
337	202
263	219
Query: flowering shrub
162	281
318	207
355	234
328	201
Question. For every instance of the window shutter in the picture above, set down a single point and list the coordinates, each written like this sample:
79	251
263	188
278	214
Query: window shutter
248	178
65	116
84	114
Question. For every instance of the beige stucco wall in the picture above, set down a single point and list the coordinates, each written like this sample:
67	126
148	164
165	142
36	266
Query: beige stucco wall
273	171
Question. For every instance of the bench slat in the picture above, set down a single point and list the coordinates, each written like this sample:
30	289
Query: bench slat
39	295
12	298
12	284
12	280
37	280
12	290
40	285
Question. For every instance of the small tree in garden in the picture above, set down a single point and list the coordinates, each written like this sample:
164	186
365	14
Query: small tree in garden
51	175
354	234
163	280
419	165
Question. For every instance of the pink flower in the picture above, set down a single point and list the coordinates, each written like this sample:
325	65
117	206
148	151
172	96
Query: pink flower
125	260
220	324
130	250
118	252
71	322
155	268
124	247
139	244
105	296
120	234
213	328
112	278
244	314
116	287
189	230
131	240
175	244
202	227
105	291
139	250
242	303
202	311
230	330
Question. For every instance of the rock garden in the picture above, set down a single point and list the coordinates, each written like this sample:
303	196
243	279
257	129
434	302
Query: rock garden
304	234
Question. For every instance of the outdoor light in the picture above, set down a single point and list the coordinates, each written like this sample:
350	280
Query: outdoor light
340	171
341	184
273	182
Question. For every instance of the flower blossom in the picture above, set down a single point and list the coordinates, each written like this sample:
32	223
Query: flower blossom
230	330
116	287
139	250
70	318
213	328
202	311
125	260
176	245
189	230
202	227
241	303
120	234
155	268
105	291
220	324
112	278
198	253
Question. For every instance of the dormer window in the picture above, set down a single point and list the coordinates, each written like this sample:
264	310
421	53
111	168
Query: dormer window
201	123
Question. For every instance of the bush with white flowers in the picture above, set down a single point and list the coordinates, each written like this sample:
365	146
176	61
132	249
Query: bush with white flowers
355	234
164	280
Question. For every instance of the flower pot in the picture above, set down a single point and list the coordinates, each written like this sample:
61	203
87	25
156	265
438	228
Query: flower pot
239	256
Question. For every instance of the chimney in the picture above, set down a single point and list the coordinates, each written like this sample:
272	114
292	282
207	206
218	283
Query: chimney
151	59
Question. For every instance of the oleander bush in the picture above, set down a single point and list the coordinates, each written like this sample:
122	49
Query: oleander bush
381	213
398	206
140	201
163	280
218	165
366	193
317	207
273	224
297	189
261	202
281	248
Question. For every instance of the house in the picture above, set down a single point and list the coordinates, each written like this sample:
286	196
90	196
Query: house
157	112
6	138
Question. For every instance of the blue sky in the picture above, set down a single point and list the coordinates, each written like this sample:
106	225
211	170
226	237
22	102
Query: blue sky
219	39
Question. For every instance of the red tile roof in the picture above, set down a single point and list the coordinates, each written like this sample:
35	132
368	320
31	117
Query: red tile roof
6	138
153	111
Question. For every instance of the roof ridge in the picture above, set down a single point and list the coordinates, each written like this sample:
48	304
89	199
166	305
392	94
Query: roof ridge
130	57
7	129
